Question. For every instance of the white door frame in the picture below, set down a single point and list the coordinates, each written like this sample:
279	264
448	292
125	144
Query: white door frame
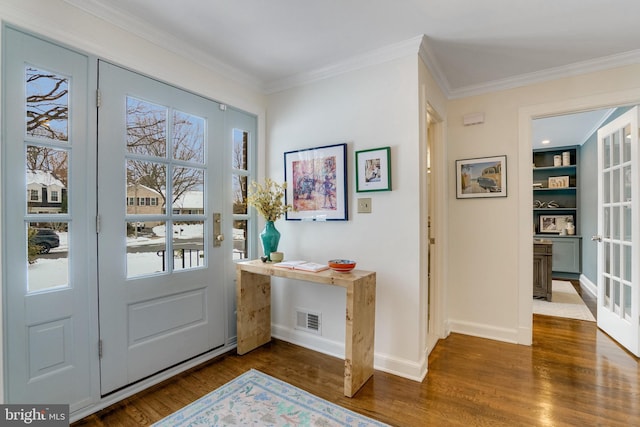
525	182
437	191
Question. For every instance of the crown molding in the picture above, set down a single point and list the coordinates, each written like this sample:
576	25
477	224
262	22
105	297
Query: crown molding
165	40
419	45
575	69
375	57
429	58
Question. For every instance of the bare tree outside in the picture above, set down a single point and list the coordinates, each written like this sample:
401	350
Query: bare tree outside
47	104
239	163
47	112
148	126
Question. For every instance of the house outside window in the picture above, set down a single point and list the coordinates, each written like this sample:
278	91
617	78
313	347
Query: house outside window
46	192
143	200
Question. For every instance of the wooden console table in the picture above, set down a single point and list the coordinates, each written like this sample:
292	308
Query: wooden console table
253	295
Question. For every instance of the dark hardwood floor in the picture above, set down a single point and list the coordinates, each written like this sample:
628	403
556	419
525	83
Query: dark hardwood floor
589	300
572	375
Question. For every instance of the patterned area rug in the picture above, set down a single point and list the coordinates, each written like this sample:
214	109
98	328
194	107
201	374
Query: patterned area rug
256	399
565	302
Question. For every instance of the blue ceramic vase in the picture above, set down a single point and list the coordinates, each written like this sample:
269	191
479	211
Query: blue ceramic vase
270	238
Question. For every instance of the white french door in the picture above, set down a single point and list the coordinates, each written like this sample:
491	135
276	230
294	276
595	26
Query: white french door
619	230
161	260
48	233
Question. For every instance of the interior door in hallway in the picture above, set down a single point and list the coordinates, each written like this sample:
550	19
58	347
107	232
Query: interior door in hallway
161	269
619	230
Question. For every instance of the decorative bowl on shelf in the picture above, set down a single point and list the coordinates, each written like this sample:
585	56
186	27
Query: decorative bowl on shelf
342	265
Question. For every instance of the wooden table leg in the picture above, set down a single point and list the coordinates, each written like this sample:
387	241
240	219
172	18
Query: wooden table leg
360	334
253	305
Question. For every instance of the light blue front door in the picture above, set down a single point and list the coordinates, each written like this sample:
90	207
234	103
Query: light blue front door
115	261
48	231
162	263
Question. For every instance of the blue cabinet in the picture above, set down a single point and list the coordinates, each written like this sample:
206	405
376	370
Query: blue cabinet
566	260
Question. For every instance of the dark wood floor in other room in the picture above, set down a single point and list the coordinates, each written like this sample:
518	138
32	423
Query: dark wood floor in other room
573	375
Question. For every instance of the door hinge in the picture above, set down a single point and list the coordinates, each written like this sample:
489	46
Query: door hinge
97	224
98	98
99	349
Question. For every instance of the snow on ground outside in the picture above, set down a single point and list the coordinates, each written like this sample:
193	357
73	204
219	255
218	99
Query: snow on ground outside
48	273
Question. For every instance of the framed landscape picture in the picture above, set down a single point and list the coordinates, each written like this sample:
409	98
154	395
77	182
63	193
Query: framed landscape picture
481	177
373	170
317	183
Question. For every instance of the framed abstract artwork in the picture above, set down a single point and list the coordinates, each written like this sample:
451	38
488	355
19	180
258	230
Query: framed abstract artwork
317	183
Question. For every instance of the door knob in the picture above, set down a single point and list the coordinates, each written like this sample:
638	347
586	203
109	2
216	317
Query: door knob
596	238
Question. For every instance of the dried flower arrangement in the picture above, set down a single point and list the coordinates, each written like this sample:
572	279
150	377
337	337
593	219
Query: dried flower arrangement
268	199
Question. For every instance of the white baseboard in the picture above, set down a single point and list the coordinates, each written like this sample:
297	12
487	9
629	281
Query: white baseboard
413	370
308	340
525	335
485	331
404	368
589	285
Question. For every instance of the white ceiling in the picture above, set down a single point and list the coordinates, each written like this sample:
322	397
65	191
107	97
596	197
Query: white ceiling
471	46
568	129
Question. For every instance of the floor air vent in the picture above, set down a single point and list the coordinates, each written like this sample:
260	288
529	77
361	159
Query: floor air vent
308	321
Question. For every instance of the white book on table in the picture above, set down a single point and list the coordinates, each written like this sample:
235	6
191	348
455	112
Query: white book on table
302	265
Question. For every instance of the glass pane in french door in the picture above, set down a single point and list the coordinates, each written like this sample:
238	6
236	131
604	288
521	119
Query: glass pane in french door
47	104
188	245
617	222
164	142
47	255
240	168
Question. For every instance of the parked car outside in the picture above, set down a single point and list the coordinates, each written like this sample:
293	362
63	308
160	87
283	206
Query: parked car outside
45	239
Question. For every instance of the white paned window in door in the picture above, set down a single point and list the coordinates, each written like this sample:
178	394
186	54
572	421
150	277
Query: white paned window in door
618	231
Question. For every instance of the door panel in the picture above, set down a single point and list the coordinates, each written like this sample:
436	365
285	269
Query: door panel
618	265
47	238
161	178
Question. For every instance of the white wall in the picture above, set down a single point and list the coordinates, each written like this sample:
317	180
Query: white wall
369	108
490	251
57	20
